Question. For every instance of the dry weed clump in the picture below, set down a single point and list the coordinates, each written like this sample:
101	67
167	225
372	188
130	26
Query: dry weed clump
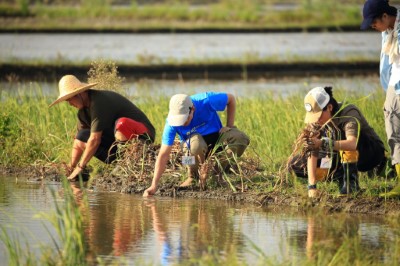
310	131
299	150
239	170
136	159
106	74
133	169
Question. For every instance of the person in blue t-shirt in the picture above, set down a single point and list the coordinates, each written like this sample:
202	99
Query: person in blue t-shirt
196	121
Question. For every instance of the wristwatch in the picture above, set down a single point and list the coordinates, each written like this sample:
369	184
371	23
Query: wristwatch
312	186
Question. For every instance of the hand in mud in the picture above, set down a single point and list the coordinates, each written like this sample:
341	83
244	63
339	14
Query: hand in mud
149	192
75	173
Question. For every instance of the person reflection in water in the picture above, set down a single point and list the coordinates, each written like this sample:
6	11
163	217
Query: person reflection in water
325	236
186	231
160	229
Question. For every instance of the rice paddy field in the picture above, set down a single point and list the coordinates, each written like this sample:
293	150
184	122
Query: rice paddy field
33	134
31	131
34	139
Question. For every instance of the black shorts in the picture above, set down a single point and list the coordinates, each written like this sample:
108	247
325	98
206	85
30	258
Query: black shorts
107	150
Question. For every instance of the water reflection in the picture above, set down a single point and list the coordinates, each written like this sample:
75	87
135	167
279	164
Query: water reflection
160	231
167	231
329	234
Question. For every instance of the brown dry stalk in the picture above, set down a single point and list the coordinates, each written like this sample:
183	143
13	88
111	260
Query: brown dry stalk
309	131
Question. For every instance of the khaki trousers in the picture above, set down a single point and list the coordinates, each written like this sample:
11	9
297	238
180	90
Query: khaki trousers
392	123
230	142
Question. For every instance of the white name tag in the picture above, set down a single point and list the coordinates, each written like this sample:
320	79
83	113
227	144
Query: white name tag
188	160
326	163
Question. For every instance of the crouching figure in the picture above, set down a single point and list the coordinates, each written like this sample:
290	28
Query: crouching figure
338	142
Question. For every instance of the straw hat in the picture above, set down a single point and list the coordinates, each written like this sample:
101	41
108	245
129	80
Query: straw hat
69	86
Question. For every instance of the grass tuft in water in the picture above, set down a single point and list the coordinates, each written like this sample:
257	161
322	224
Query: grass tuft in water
69	246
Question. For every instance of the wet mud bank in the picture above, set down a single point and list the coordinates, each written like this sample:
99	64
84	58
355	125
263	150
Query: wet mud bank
360	203
279	198
196	71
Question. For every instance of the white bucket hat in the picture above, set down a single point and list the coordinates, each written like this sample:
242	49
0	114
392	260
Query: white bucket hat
69	86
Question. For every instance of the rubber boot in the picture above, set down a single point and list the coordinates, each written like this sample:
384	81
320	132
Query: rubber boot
350	179
395	192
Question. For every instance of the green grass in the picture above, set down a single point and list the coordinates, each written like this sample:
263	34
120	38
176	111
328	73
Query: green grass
173	15
30	131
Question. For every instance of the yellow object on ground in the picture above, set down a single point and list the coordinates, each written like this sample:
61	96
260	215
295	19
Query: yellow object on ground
395	192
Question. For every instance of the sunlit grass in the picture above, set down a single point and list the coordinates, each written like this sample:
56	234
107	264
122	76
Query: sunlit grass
32	132
173	15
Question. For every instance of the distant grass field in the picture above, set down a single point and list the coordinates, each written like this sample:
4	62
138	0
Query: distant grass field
175	15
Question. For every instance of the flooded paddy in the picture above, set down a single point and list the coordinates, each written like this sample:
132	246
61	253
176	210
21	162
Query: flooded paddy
163	231
186	47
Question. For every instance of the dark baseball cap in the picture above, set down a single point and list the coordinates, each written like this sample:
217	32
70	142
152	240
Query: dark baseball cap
373	9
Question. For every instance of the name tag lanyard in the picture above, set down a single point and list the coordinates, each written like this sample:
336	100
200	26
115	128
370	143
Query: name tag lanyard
188	159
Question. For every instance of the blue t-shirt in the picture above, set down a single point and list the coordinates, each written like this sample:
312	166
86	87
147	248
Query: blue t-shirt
205	119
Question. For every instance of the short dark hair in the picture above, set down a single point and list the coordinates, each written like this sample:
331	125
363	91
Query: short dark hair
332	101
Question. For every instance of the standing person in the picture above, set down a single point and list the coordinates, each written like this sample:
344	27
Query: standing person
103	117
343	131
196	121
379	15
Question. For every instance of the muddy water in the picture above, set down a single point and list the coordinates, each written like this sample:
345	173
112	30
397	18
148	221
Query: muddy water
162	48
166	230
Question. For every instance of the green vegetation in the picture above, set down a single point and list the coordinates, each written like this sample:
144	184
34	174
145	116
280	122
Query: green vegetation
32	133
172	15
69	246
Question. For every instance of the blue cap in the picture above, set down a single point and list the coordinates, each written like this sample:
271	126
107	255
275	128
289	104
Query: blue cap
373	9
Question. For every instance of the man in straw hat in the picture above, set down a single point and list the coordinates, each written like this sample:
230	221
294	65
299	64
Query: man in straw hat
379	15
103	117
343	132
196	121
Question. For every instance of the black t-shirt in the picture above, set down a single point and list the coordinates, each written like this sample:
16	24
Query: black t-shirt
105	108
